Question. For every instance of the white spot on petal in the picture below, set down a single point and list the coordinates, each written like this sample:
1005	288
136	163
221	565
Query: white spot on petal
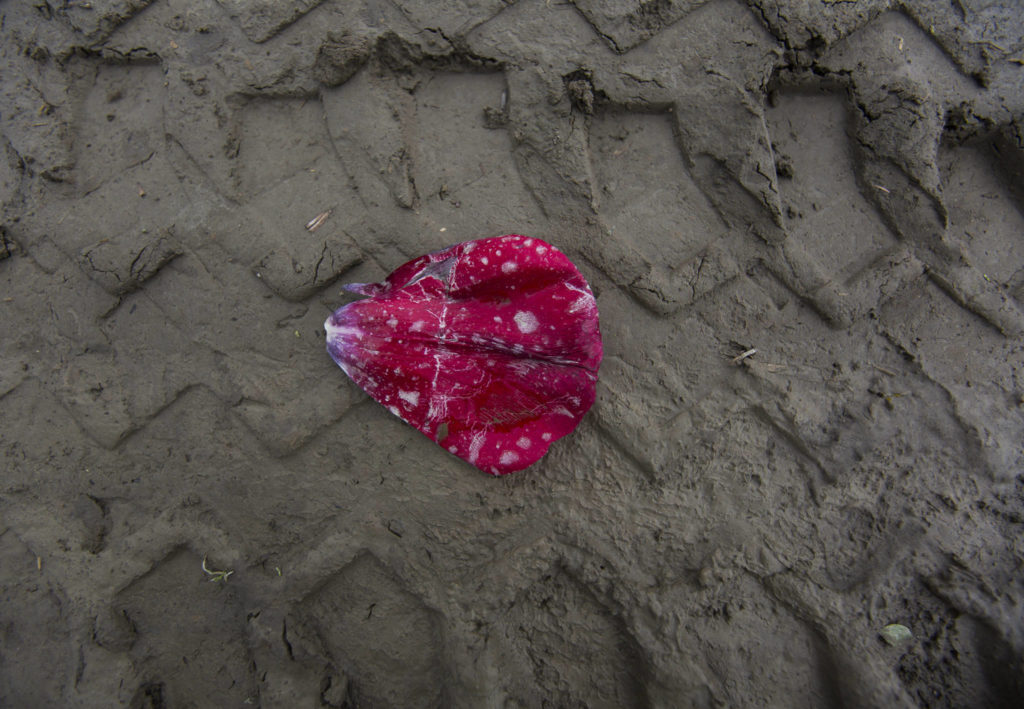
483	260
508	458
509	267
413	397
526	321
417	326
546	436
474	447
395	411
523	443
393	322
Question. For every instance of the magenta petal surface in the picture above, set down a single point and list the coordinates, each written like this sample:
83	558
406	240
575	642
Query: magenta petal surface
490	348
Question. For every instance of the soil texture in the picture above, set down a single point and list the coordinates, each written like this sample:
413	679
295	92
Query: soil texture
803	224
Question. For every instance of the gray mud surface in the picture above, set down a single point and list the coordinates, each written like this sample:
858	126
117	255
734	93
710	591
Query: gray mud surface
834	184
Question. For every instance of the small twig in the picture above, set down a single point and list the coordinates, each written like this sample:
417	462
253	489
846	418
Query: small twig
883	370
879	187
216	575
997	47
740	357
318	221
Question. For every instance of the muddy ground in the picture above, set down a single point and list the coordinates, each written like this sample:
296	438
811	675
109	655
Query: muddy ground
836	185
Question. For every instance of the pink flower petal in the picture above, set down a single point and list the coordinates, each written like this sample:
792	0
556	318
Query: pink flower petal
490	348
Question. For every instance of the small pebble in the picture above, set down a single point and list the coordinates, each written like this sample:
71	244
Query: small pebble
895	634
